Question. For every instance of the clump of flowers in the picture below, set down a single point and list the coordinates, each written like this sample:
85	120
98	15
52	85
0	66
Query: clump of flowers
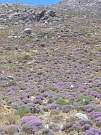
93	131
30	124
95	115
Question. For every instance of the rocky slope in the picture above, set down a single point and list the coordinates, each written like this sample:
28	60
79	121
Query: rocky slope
50	69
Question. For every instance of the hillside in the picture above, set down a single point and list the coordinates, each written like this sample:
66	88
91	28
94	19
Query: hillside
50	69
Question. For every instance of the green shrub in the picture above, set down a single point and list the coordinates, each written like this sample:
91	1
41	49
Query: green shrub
84	99
62	101
22	111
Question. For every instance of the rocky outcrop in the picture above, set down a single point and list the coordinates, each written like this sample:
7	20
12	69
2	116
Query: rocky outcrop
25	16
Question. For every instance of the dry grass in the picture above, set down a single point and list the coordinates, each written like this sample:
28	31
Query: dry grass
7	115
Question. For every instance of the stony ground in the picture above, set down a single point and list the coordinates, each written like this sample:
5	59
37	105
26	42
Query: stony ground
53	72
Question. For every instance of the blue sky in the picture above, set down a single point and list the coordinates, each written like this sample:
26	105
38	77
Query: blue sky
34	2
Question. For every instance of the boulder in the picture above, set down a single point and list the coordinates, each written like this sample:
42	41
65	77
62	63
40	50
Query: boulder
27	31
81	116
40	15
50	13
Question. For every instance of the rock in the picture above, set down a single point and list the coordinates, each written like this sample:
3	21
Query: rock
54	127
24	16
50	13
2	131
13	15
35	109
82	123
44	15
67	126
81	116
7	81
86	127
11	129
47	132
27	31
40	15
31	124
12	36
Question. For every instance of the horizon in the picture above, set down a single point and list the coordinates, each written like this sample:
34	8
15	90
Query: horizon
30	2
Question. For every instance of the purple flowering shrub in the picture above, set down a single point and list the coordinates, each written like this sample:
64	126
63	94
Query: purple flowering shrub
30	124
93	131
95	115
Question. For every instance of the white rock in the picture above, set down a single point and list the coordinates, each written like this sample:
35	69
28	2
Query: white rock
11	16
12	36
46	126
72	86
81	116
28	31
32	98
10	77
